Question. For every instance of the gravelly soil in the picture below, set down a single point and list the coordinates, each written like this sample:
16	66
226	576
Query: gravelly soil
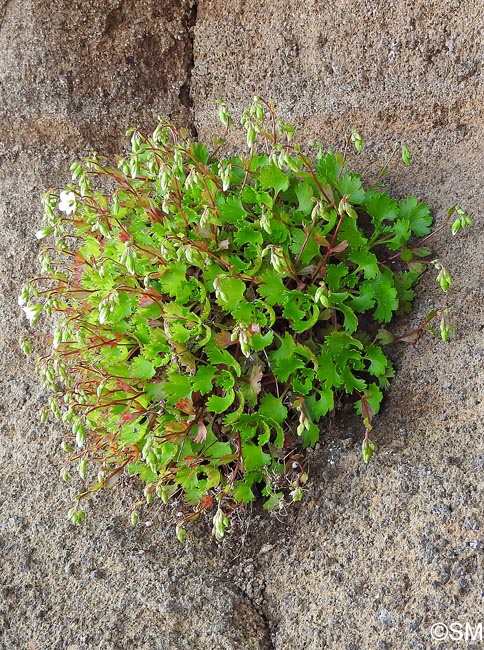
374	555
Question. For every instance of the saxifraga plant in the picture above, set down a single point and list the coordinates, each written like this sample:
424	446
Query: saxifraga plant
210	311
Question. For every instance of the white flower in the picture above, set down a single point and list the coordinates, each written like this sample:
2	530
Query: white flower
32	312
45	232
67	202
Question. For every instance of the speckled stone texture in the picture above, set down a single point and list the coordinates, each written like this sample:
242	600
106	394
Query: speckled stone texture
375	554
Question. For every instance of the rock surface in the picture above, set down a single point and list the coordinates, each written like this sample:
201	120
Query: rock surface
374	555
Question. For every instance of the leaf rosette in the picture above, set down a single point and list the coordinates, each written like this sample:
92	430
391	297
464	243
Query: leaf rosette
210	312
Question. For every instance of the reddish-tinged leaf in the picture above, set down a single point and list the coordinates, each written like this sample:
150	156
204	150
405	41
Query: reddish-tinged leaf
145	301
409	338
205	502
129	417
80	259
192	461
202	432
122	385
320	240
156	215
255	380
175	427
185	406
366	411
340	247
223	339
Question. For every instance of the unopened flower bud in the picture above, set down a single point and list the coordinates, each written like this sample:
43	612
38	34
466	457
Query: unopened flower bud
148	494
297	494
181	533
251	134
76	516
82	468
368	448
